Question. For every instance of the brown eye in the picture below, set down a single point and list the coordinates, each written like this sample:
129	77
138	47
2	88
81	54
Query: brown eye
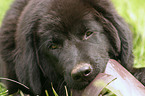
88	35
54	46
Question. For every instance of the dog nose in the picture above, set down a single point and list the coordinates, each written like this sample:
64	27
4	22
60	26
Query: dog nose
81	72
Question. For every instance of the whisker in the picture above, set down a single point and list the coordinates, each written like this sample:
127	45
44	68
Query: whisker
7	79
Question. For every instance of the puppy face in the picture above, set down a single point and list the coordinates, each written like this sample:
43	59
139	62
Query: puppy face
66	42
77	49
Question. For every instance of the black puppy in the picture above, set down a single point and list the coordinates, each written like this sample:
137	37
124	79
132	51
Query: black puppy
63	42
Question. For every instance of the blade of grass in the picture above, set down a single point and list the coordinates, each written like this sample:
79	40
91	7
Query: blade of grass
66	91
54	90
21	93
46	92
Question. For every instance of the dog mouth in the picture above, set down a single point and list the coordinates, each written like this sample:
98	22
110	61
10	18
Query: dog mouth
79	88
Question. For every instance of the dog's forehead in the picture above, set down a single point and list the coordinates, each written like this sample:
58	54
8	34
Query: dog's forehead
62	16
68	6
69	10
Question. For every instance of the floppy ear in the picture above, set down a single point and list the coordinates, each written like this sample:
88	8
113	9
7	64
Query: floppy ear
106	9
7	41
27	67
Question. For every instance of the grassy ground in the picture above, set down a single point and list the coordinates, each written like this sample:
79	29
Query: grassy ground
133	11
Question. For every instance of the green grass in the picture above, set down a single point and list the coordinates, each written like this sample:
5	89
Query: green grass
3	90
4	5
133	11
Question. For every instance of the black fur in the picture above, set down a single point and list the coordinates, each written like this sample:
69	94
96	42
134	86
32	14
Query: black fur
43	40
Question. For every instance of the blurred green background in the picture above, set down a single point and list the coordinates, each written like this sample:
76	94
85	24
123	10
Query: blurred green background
133	11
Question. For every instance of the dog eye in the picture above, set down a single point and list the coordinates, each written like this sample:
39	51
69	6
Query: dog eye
88	35
54	46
